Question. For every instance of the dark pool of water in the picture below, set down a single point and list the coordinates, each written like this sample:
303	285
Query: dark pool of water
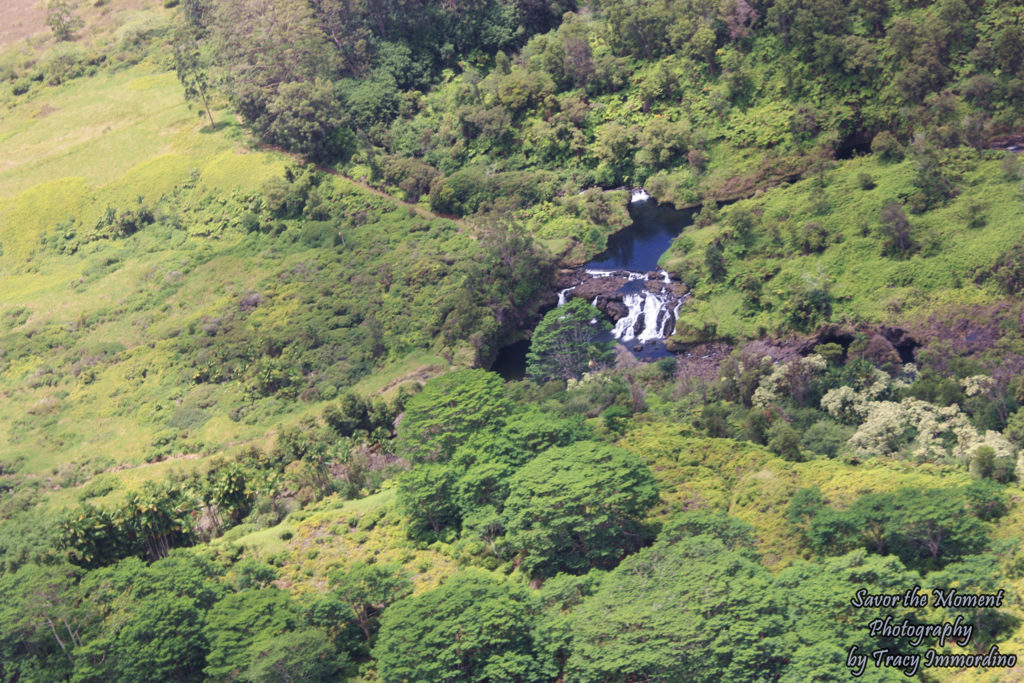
511	361
639	246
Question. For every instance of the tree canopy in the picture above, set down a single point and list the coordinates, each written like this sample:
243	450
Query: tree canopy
579	506
688	610
570	340
448	410
474	627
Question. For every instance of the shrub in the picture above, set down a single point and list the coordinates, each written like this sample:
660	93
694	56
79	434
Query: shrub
63	63
974	214
467	190
887	147
809	306
1010	165
61	19
784	442
933	182
898	241
1008	269
826	437
410	175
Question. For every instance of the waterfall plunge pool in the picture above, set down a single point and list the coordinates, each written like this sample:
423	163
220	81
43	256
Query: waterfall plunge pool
647	310
638	246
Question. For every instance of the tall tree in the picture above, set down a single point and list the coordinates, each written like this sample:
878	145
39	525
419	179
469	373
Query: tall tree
568	342
190	71
448	410
475	627
276	60
234	624
153	619
690	610
577	507
62	20
367	589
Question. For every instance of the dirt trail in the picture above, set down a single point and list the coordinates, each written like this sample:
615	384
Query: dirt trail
419	210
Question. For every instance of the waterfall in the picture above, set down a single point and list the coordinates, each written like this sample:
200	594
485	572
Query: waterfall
651	312
634	291
650	315
599	273
623	329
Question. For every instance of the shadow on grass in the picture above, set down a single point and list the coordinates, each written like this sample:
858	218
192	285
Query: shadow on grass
219	125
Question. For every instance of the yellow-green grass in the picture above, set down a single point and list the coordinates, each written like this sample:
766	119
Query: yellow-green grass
74	150
126	481
106	141
866	286
99	128
752	484
93	415
334	534
418	366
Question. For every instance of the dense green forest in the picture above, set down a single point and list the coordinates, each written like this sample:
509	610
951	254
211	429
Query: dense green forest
257	256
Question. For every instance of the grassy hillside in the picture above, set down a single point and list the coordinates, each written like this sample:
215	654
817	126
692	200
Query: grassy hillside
241	395
826	237
172	291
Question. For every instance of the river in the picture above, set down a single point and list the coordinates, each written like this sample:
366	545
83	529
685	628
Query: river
625	282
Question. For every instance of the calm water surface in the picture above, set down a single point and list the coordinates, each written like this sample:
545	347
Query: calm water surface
639	246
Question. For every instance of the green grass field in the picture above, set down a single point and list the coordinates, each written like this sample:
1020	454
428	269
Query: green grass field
866	286
115	307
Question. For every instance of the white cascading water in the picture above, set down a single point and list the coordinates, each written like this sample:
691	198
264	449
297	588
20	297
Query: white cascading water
649	312
638	195
650	315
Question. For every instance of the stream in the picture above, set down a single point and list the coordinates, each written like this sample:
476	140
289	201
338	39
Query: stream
626	284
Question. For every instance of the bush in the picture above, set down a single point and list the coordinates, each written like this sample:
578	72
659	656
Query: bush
985	465
63	63
141	32
467	190
826	437
933	182
410	175
306	118
784	442
887	147
974	214
810	306
1008	270
812	238
1010	165
898	241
